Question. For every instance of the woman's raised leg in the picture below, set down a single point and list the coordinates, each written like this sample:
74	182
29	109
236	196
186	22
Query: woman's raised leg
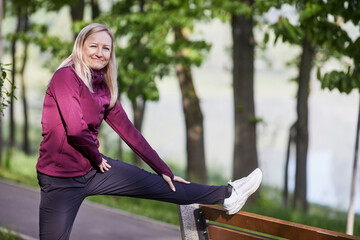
127	180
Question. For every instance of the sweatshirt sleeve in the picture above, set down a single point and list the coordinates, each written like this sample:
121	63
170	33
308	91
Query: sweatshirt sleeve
117	119
65	89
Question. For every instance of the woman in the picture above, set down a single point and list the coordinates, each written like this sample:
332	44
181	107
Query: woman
81	94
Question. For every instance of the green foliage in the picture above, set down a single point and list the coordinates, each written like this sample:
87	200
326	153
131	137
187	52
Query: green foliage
320	22
345	82
59	48
240	107
314	24
56	5
348	79
16	7
263	6
144	39
223	10
8	235
146	49
289	33
30	32
38	35
5	94
254	119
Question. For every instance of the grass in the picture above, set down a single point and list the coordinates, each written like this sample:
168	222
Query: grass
6	234
162	211
22	170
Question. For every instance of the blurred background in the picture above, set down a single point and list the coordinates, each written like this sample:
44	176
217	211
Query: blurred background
216	87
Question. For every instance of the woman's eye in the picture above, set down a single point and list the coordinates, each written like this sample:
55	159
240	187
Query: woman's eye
107	49
92	46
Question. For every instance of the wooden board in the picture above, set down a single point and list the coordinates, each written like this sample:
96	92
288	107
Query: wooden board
272	226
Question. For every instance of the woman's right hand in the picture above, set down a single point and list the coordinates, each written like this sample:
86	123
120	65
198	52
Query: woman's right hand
176	179
104	166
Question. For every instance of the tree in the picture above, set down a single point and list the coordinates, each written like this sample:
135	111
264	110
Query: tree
13	73
245	153
195	148
291	141
186	54
241	15
347	79
77	10
351	212
313	32
23	9
26	145
295	35
95	9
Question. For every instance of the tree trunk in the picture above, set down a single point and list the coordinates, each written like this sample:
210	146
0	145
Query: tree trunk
245	153
77	10
302	136
138	106
95	9
196	167
13	80
1	53
292	139
351	213
26	145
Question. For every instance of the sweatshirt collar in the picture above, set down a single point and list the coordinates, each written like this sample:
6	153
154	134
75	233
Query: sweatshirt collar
97	76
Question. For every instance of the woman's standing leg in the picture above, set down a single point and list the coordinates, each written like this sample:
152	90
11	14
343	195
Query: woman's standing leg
60	201
128	180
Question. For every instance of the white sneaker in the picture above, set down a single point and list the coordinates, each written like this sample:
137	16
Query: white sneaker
241	191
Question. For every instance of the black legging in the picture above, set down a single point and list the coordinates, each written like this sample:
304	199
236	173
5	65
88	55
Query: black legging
61	197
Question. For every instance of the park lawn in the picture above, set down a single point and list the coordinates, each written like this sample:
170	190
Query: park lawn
22	170
7	234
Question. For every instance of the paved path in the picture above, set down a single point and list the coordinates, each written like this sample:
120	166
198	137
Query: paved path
19	211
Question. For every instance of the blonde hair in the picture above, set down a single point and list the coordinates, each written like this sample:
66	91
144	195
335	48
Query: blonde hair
75	60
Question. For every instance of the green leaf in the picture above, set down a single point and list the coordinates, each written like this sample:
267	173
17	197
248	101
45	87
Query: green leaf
266	38
318	73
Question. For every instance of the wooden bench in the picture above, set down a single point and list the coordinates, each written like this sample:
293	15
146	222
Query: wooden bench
212	222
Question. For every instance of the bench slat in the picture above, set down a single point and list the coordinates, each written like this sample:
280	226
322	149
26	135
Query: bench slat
271	226
223	233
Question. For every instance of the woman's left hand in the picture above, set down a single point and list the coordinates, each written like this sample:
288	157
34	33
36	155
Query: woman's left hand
104	166
176	178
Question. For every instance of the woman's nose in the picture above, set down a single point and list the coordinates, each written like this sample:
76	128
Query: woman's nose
99	52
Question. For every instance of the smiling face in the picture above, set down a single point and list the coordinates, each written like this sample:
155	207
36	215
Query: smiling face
97	50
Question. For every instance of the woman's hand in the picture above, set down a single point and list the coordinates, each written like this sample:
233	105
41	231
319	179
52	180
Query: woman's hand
176	178
104	166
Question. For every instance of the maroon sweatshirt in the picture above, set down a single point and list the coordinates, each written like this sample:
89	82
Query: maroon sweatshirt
70	121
